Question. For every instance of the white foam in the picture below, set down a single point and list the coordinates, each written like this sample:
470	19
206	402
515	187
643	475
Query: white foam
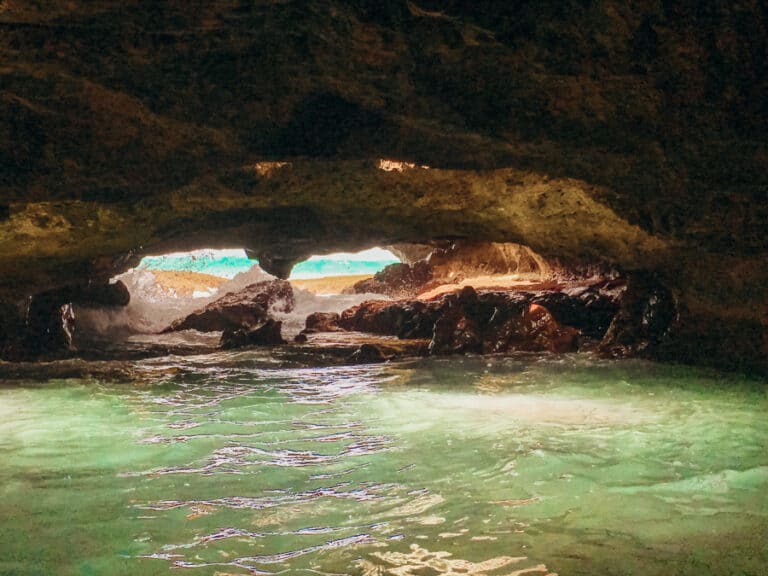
153	308
370	255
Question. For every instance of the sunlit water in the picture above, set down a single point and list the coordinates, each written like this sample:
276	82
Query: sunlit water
236	464
229	263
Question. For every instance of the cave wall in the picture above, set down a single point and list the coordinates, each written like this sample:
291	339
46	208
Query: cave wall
625	133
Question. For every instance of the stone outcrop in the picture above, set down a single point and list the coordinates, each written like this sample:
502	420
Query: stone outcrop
368	354
404	319
12	327
45	324
322	322
644	320
244	309
267	334
626	135
486	323
399	280
591	309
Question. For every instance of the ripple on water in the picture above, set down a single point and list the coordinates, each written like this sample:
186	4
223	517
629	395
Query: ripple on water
236	464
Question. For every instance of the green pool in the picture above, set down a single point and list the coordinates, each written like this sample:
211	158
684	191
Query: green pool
240	464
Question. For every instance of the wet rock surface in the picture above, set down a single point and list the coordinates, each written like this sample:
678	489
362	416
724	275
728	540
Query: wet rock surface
12	325
397	280
485	323
368	354
241	310
590	309
45	324
268	334
644	321
322	322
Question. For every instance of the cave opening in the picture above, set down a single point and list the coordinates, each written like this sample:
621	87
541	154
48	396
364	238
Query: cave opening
447	297
562	370
164	289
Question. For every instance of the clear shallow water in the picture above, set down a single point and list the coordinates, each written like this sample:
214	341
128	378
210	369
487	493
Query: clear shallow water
229	263
235	464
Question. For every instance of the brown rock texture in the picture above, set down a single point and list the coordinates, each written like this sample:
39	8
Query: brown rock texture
399	280
630	135
244	309
267	334
322	322
486	323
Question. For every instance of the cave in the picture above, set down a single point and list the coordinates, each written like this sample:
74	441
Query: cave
558	366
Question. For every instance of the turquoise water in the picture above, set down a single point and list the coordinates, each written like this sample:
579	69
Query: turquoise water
228	266
240	463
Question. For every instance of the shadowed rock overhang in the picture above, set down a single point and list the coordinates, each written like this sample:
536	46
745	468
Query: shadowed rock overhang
591	131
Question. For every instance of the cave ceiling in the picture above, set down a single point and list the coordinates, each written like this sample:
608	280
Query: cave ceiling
631	133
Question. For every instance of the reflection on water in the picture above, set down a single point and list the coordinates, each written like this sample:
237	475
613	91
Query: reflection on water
237	464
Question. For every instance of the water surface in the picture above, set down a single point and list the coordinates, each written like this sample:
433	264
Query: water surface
238	464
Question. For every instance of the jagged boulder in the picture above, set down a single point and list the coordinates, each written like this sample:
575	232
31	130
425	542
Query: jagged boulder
591	308
268	334
100	295
498	324
397	280
322	322
368	354
645	320
242	310
467	322
405	319
49	325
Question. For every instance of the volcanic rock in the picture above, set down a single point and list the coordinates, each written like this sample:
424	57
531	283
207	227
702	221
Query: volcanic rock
101	295
322	322
466	322
268	334
50	324
245	309
645	320
591	308
367	354
11	330
397	280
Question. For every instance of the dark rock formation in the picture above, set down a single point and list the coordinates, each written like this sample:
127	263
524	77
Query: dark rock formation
268	334
625	134
244	309
100	296
47	323
405	319
322	322
590	309
397	280
12	327
498	324
644	321
368	354
466	322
